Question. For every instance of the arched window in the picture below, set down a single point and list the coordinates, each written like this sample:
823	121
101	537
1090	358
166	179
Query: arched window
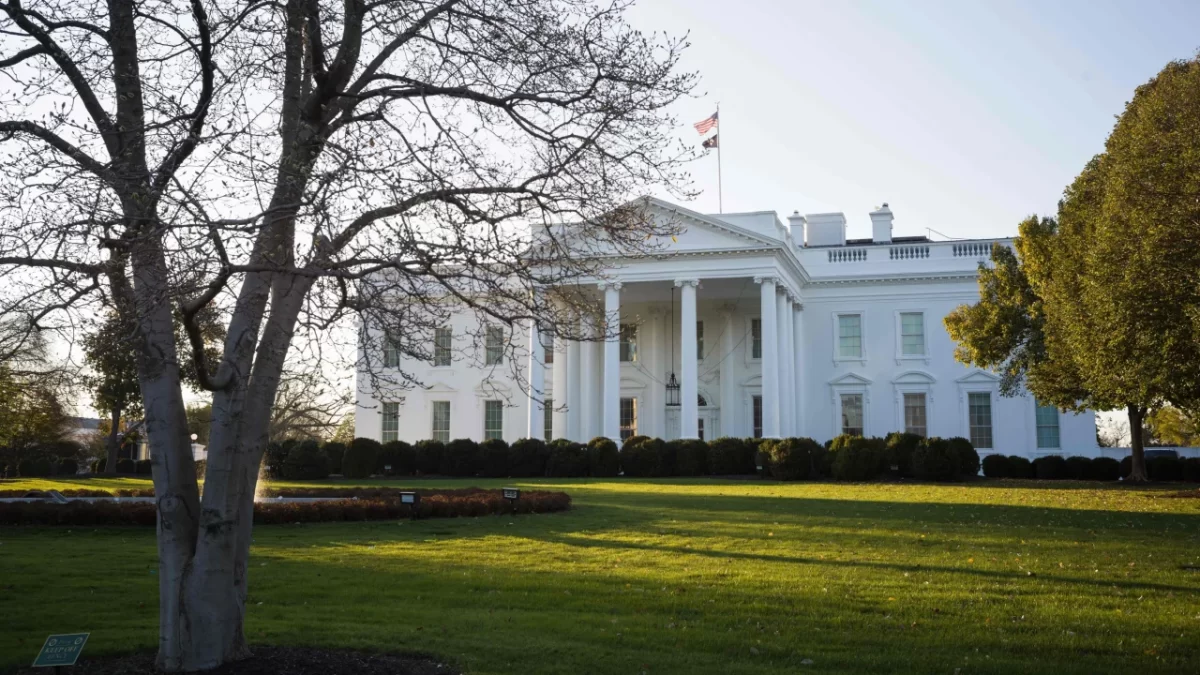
701	401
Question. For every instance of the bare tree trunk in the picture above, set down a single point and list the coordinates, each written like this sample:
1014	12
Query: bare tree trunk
1137	415
110	466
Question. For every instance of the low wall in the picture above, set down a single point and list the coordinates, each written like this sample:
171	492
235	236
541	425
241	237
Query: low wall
1115	453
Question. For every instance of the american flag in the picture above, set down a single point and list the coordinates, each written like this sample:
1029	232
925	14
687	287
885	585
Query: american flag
706	124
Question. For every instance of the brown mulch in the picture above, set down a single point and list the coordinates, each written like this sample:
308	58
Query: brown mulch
272	661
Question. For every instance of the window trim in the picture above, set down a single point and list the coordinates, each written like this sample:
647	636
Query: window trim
621	427
841	406
493	334
991	416
383	421
904	411
850	383
449	348
1036	426
433	416
899	326
547	419
837	350
487	401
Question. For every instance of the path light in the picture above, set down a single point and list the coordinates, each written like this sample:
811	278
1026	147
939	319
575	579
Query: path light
512	494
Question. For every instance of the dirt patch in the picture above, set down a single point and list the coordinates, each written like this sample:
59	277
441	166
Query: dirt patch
274	661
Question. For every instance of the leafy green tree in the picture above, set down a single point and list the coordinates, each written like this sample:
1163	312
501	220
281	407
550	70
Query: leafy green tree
1111	311
1172	426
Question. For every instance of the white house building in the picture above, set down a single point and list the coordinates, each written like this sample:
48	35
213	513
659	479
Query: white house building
768	330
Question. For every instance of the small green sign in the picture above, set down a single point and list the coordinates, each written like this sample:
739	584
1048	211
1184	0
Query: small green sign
61	650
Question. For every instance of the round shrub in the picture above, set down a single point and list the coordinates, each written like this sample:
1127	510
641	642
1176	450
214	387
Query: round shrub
429	456
1105	468
396	458
273	458
1079	468
997	466
306	461
68	467
644	459
527	458
759	455
793	458
604	461
568	459
936	459
729	456
334	451
125	466
1167	469
143	467
1051	467
460	459
1020	467
1126	466
968	458
691	457
361	458
900	448
842	441
858	459
493	458
628	442
37	467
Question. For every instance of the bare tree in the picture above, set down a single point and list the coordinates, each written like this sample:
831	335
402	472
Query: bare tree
306	406
299	166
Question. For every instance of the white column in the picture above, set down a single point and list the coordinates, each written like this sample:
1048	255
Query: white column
589	371
781	324
798	368
651	420
770	357
730	426
611	405
537	385
689	387
574	411
561	396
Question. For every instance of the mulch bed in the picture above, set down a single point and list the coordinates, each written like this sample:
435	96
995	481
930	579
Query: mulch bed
273	661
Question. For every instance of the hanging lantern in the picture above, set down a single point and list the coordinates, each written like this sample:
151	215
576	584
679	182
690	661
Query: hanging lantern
672	390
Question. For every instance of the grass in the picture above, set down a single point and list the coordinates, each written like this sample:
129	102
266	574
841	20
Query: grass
684	576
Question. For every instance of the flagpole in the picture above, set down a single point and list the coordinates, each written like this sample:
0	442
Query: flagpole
720	194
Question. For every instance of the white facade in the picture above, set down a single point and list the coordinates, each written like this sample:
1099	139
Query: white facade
787	339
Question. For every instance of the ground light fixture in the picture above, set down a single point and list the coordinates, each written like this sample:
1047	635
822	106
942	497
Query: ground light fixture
413	500
512	494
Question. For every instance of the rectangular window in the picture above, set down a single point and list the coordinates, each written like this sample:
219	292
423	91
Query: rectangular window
852	414
628	343
699	339
700	427
980	418
442	340
912	334
756	413
391	352
850	336
493	419
548	420
628	417
493	346
1047	426
914	414
756	340
440	430
391	422
547	339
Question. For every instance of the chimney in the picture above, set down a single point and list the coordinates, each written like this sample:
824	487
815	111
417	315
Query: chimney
796	224
825	229
881	225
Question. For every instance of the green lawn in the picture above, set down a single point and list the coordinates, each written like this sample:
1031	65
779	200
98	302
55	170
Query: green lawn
686	576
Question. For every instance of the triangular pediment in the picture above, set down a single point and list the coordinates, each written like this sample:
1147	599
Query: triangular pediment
699	232
850	379
978	376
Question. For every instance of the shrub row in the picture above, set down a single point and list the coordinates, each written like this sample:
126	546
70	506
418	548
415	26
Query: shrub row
470	502
41	467
1055	467
855	458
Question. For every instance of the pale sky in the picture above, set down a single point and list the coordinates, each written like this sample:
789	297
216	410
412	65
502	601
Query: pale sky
964	116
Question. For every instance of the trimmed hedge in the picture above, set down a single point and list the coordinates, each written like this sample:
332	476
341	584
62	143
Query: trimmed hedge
306	461
429	456
1105	468
493	458
360	458
855	458
690	455
1074	468
568	459
900	449
794	458
936	459
729	456
127	466
645	458
470	502
276	453
968	458
1165	469
143	467
68	467
604	460
1051	467
1020	467
997	466
38	467
396	458
334	450
527	458
460	458
1079	468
